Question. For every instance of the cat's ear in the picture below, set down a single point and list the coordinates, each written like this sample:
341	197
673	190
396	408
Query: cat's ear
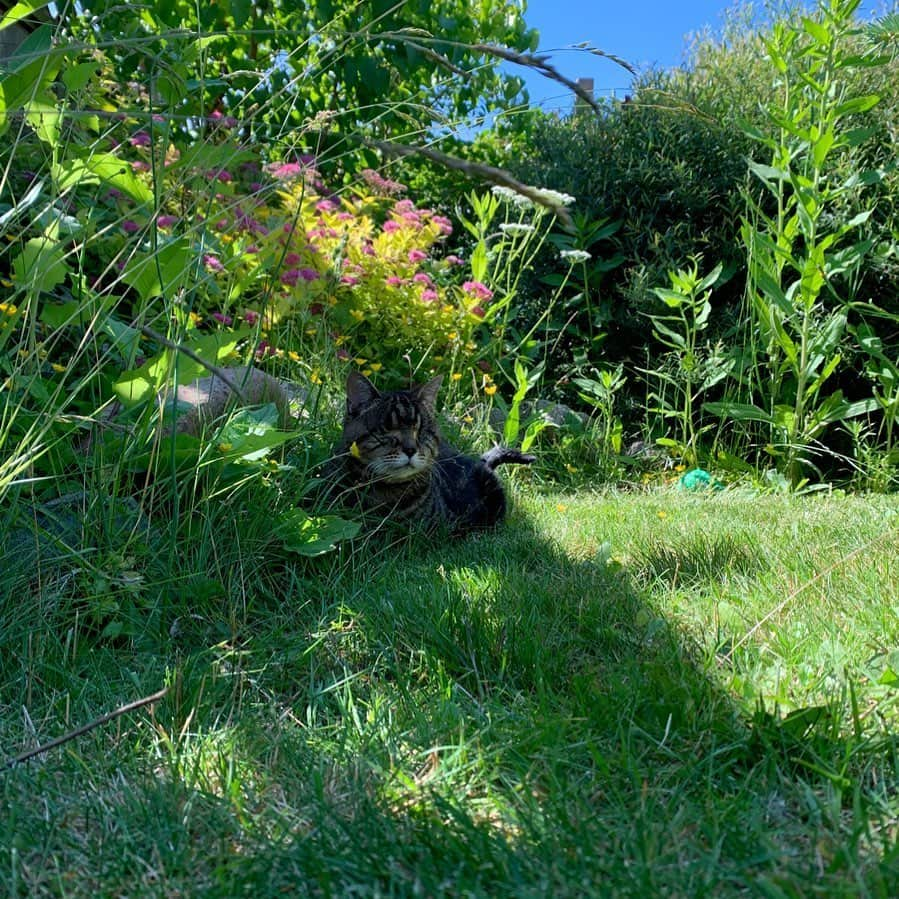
427	393
359	392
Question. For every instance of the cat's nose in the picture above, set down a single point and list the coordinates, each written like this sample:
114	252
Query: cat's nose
410	449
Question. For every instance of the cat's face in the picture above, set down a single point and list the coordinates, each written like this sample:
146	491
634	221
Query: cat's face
390	437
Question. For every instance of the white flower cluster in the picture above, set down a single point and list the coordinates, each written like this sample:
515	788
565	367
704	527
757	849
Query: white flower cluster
517	228
575	256
555	197
507	195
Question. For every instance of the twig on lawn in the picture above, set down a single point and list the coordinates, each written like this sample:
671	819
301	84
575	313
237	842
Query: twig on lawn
79	731
783	604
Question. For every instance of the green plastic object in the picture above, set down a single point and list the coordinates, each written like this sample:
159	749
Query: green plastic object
698	479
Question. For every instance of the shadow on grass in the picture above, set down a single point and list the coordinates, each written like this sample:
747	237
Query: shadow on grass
509	720
486	716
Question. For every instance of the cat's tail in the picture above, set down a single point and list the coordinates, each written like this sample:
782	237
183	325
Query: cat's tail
502	455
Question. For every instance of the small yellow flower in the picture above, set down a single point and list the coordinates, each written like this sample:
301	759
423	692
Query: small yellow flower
311	332
456	375
195	318
57	367
662	513
293	356
359	360
315	377
470	347
452	336
354	450
468	419
332	301
561	507
376	366
8	308
366	372
357	314
680	467
225	447
490	389
4	282
438	358
570	468
448	309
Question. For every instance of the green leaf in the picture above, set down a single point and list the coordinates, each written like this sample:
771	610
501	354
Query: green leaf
671	298
251	434
40	266
143	382
75	312
818	31
822	146
857	105
21	11
667	335
46	119
34	49
76	77
739	412
313	535
160	274
479	261
93	168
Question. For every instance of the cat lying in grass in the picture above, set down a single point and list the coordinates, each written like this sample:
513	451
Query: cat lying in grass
393	460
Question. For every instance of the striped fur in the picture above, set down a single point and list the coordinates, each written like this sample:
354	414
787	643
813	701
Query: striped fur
393	460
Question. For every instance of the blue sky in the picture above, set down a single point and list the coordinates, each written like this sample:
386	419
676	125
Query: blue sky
644	32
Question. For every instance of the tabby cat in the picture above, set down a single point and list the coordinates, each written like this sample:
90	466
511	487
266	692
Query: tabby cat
393	460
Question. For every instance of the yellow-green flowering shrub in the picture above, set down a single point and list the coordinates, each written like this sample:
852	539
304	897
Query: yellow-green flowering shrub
362	272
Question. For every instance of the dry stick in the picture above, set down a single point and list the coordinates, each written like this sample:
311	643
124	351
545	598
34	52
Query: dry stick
79	731
474	170
541	65
209	366
782	605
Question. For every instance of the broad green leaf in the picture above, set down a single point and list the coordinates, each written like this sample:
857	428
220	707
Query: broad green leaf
34	49
21	11
45	118
124	338
671	298
251	434
76	77
93	168
75	312
818	31
143	382
160	274
313	535
40	266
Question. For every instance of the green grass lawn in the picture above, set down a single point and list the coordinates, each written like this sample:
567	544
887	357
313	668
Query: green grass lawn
616	694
